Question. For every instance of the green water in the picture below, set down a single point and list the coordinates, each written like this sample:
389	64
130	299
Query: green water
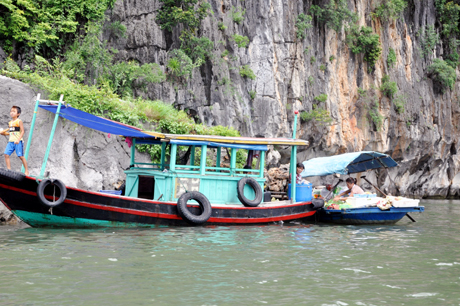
290	264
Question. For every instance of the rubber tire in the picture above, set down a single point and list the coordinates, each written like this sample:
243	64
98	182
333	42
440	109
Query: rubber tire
317	203
41	192
257	189
12	175
185	214
122	188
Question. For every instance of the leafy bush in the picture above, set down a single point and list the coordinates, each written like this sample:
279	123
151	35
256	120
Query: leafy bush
196	48
334	14
241	41
390	9
303	22
180	65
442	73
310	80
46	26
312	60
237	15
221	26
449	16
321	98
388	87
452	60
399	102
322	67
174	12
370	103
391	58
246	72
364	41
252	94
428	40
318	114
331	58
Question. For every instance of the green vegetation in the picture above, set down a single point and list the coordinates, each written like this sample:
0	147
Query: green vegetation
371	104
364	41
303	22
246	72
375	115
399	102
237	15
390	9
388	87
221	26
442	73
184	12
449	16
333	14
252	94
428	40
180	66
310	80
391	58
46	27
102	101
318	114
321	98
241	41
331	58
452	60
312	60
322	67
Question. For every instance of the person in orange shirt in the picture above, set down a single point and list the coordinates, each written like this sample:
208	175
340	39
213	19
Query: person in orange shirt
15	143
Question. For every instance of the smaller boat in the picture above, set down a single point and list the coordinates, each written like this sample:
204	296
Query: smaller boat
361	209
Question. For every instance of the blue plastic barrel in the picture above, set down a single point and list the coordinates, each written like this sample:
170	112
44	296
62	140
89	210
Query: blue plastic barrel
303	192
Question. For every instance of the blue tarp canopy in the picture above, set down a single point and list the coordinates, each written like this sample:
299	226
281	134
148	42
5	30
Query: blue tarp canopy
218	144
95	122
347	163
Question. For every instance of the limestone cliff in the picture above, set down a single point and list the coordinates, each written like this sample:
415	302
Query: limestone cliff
423	139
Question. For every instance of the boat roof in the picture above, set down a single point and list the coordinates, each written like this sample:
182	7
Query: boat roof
347	163
147	137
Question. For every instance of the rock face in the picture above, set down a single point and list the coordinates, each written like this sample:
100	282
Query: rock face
80	157
422	139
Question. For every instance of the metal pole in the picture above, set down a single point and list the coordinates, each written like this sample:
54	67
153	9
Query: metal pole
50	141
32	125
203	159
294	161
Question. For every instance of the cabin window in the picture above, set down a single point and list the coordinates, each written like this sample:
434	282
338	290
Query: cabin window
146	187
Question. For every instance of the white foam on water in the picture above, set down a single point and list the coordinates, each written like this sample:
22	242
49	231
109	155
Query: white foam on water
355	270
379	267
394	287
66	258
444	264
262	282
265	261
113	259
154	255
422	294
29	283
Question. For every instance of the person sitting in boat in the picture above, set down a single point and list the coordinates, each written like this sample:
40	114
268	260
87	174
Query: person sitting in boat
299	179
352	189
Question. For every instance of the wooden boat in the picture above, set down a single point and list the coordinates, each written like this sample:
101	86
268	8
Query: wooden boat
361	210
166	193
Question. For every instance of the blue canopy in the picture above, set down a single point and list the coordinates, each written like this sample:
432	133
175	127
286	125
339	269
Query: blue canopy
347	163
218	144
95	122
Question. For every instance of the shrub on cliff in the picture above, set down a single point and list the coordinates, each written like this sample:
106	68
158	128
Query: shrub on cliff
364	41
390	9
442	73
334	14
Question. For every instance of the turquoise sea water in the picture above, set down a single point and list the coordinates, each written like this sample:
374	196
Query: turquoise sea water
289	264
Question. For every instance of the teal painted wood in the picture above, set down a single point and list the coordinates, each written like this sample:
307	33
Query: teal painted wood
262	164
31	132
172	162
294	171
232	161
47	220
203	160
133	152
50	141
218	157
192	156
163	155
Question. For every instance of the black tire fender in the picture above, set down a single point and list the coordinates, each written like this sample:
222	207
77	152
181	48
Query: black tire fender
317	203
185	213
41	192
12	175
257	189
